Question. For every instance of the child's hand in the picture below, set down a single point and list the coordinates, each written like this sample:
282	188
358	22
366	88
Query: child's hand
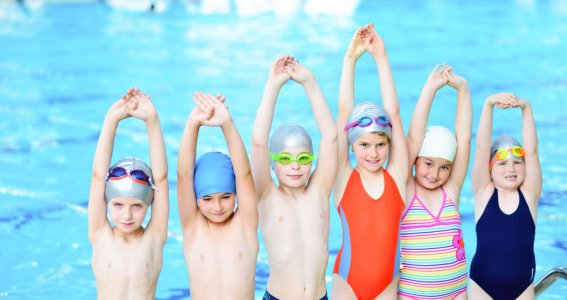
436	79
502	100
117	110
300	73
355	47
279	74
373	43
213	112
455	81
139	105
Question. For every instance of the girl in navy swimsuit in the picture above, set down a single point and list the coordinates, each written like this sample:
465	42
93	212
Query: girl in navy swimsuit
507	182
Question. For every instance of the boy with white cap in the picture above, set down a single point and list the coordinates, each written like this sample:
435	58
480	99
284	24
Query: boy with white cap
294	215
220	241
507	183
432	248
127	258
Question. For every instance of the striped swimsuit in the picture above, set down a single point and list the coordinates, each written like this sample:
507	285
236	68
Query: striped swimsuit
433	255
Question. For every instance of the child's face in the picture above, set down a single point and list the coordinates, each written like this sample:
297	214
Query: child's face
127	213
217	207
432	172
371	151
294	174
508	174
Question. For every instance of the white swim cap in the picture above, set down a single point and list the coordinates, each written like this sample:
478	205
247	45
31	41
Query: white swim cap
368	110
124	185
439	142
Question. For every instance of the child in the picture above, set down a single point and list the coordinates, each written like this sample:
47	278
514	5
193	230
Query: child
368	197
294	216
220	243
432	248
127	258
506	181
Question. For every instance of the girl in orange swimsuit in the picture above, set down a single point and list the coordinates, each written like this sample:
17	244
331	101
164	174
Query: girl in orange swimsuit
368	196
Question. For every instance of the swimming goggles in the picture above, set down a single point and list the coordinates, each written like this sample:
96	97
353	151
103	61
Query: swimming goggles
286	158
503	154
367	121
138	176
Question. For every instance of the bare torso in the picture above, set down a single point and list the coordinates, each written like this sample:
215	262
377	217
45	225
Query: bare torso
221	261
296	234
126	270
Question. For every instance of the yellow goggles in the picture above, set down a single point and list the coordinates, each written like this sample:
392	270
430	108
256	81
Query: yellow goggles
503	154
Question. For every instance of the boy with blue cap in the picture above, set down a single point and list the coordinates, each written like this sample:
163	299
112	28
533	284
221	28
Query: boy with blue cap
220	241
127	258
294	215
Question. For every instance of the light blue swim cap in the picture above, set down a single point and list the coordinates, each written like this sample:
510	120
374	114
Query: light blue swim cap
289	135
126	187
371	110
214	174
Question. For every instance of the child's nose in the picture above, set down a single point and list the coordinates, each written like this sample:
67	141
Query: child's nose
295	165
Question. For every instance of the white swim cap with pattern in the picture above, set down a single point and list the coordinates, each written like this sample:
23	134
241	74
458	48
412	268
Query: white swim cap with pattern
371	110
289	135
126	187
439	142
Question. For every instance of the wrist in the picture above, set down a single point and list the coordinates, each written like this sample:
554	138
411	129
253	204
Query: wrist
463	88
227	124
152	119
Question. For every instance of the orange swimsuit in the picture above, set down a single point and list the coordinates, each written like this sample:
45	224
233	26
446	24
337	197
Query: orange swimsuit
369	257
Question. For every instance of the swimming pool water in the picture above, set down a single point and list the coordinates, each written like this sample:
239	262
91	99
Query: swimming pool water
62	65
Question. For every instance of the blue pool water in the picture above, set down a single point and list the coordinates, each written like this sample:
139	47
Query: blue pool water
62	65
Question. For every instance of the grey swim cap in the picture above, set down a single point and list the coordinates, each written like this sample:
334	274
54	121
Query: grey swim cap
504	142
289	135
126	187
371	110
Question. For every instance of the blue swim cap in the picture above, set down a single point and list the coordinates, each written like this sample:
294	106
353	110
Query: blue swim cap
213	174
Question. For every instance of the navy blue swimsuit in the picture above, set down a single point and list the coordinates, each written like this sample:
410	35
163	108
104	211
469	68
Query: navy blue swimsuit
504	262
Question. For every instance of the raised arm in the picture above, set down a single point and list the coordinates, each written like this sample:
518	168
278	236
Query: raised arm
398	160
533	181
245	191
481	172
346	97
140	106
463	131
435	81
261	131
101	164
186	202
324	175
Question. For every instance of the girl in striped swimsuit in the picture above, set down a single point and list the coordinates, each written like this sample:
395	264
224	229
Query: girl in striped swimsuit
432	248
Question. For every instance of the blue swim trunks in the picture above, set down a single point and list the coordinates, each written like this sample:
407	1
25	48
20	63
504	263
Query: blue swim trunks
268	296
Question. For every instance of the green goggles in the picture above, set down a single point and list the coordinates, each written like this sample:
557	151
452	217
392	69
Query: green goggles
286	158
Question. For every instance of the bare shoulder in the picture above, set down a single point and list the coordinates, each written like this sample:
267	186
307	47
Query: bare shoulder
341	182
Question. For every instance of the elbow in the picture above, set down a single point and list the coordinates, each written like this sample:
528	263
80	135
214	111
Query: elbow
99	174
331	136
160	177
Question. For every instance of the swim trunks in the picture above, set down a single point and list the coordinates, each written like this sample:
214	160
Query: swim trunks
268	296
